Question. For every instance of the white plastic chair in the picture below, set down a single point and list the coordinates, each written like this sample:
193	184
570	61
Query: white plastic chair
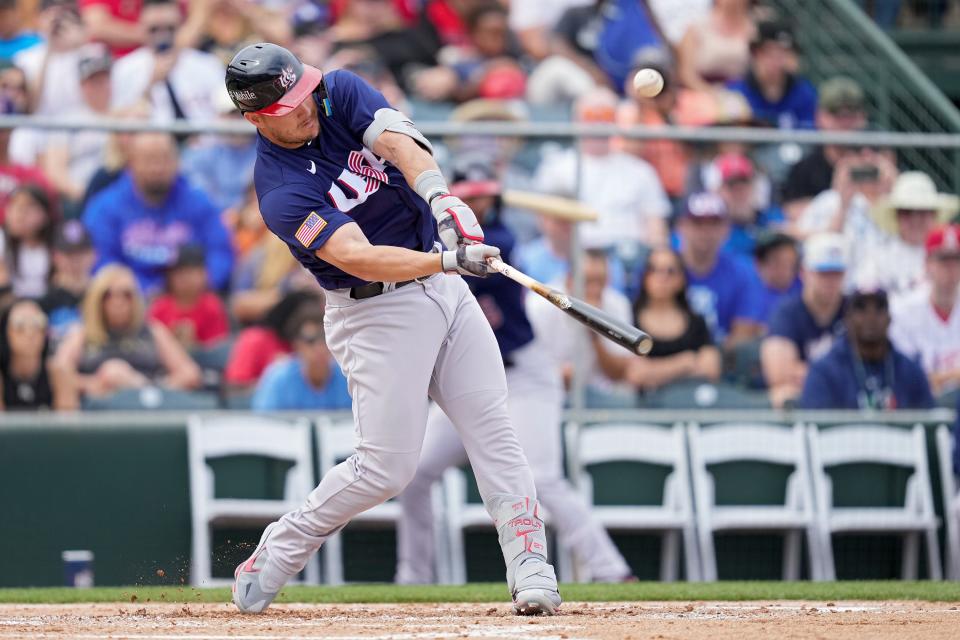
221	436
643	444
878	444
951	501
336	441
742	442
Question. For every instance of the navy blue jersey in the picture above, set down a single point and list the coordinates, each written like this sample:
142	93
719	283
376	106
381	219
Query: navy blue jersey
500	297
307	193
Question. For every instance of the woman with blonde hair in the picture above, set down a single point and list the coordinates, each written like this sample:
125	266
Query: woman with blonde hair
116	347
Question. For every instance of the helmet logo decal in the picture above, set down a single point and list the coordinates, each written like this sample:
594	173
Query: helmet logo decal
244	94
287	78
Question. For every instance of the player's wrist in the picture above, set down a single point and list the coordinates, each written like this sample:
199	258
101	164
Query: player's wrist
430	185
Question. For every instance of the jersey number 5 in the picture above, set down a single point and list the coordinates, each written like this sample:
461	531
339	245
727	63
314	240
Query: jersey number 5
362	177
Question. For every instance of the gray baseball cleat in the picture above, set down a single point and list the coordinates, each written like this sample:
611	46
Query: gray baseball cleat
536	591
530	578
249	593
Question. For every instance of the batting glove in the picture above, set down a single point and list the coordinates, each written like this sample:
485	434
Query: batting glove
456	221
469	259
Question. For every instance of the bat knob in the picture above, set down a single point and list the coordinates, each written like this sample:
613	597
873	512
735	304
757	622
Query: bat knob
644	345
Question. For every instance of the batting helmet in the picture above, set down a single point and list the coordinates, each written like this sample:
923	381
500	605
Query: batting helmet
267	79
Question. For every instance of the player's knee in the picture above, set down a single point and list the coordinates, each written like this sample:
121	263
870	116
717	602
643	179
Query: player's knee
395	471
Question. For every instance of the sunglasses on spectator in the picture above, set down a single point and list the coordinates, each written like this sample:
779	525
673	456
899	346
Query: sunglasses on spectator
162	28
667	271
22	324
310	338
126	294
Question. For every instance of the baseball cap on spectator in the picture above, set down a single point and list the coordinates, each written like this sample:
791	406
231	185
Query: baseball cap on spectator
944	240
868	291
93	58
772	31
503	82
72	236
473	175
704	205
825	252
841	94
734	167
189	255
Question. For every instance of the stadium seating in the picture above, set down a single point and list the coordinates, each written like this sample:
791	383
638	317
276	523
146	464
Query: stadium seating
598	444
876	444
220	437
768	443
951	501
336	440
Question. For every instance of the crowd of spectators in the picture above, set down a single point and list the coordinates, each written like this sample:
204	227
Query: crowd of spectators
134	261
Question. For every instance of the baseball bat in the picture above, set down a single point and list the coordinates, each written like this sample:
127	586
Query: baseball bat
553	206
625	335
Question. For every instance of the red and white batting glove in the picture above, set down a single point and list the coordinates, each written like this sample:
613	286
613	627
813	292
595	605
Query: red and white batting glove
456	221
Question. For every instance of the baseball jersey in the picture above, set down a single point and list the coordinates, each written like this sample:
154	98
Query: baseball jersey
307	193
919	332
500	298
725	295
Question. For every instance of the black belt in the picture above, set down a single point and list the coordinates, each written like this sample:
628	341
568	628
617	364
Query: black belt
373	289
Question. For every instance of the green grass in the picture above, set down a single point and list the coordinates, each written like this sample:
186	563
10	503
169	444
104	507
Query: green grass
650	591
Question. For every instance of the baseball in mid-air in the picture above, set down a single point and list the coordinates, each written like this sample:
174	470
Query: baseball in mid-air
648	83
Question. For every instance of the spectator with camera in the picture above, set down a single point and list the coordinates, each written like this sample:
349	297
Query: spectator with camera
926	323
863	370
841	107
804	326
310	379
861	181
144	217
179	83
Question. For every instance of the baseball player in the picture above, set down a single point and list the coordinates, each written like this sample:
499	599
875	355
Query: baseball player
535	402
351	186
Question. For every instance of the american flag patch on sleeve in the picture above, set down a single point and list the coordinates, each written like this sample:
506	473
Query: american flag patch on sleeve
310	229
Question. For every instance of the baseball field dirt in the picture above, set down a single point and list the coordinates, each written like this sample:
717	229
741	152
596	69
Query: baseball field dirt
653	620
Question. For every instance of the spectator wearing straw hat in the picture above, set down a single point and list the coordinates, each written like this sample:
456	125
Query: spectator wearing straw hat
909	214
926	324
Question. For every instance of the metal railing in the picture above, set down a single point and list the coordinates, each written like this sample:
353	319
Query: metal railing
837	38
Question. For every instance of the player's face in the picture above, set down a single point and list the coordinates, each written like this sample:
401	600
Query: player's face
291	130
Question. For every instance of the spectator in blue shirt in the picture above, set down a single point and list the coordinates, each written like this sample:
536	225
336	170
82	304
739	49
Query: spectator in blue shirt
146	215
310	379
803	326
863	370
721	287
778	97
777	259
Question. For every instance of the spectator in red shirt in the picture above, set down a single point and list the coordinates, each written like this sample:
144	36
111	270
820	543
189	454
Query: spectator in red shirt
114	22
194	314
258	346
